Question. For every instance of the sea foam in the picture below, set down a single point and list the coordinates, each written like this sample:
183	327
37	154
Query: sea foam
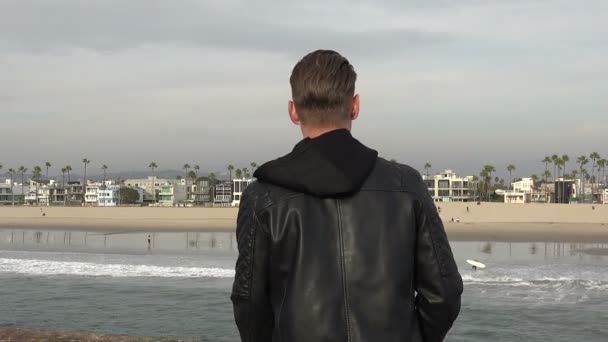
50	267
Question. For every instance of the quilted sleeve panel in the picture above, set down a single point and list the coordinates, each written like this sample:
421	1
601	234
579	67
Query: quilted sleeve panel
250	292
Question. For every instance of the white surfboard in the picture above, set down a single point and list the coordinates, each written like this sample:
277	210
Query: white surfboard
476	264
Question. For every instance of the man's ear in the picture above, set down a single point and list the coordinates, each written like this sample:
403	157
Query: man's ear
355	112
293	113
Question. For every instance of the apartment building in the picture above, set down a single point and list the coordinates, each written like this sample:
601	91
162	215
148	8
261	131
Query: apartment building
172	194
201	191
10	193
449	187
108	196
152	186
222	194
238	187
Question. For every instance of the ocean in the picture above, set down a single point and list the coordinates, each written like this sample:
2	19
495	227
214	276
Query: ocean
180	286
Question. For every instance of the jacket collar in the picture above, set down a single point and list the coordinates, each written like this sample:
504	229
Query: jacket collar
332	164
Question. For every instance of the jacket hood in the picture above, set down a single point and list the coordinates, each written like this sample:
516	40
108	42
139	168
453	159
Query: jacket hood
332	164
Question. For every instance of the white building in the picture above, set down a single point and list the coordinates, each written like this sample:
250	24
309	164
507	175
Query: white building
108	196
520	193
91	193
152	186
172	194
222	194
449	187
605	196
38	192
238	187
10	193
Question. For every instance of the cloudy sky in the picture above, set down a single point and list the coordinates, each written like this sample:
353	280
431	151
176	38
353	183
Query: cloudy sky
459	83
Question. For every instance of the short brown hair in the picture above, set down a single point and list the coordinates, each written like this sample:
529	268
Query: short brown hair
322	88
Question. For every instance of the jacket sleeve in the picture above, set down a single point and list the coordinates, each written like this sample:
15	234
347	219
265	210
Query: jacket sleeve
438	283
250	293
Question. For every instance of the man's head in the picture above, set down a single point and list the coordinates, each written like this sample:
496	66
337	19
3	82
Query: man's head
323	93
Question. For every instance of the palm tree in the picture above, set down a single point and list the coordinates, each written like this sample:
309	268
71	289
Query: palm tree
186	167
427	167
197	168
104	167
239	173
85	162
546	174
534	179
565	159
582	161
594	156
212	178
192	175
47	165
230	168
63	171
559	163
12	172
23	170
547	161
152	167
68	168
36	174
489	169
510	168
253	166
245	172
0	166
602	167
554	160
573	174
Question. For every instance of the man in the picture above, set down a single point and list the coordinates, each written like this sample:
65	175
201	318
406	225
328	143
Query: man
335	243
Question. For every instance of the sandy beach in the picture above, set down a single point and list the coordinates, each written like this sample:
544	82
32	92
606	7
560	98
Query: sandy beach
488	221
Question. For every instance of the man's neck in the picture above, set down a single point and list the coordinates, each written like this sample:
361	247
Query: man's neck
313	132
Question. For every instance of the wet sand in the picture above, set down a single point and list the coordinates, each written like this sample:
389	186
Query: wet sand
488	221
15	334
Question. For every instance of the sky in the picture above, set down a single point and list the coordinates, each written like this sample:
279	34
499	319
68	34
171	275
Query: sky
457	83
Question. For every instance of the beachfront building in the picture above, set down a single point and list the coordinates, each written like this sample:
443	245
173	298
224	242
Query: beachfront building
10	193
91	194
238	187
449	187
520	193
172	194
201	191
565	190
222	194
108	196
152	186
38	192
75	193
57	194
605	196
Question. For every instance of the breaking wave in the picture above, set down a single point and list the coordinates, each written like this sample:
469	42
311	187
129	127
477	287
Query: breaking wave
49	267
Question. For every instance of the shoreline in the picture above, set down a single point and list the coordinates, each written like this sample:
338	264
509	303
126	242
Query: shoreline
487	222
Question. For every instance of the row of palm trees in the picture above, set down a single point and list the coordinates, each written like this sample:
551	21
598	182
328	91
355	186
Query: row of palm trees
598	164
595	175
191	172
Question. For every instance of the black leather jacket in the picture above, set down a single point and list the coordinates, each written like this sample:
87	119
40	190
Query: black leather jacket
330	253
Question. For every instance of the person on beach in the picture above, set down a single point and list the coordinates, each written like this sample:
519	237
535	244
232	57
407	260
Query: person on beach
149	241
336	243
